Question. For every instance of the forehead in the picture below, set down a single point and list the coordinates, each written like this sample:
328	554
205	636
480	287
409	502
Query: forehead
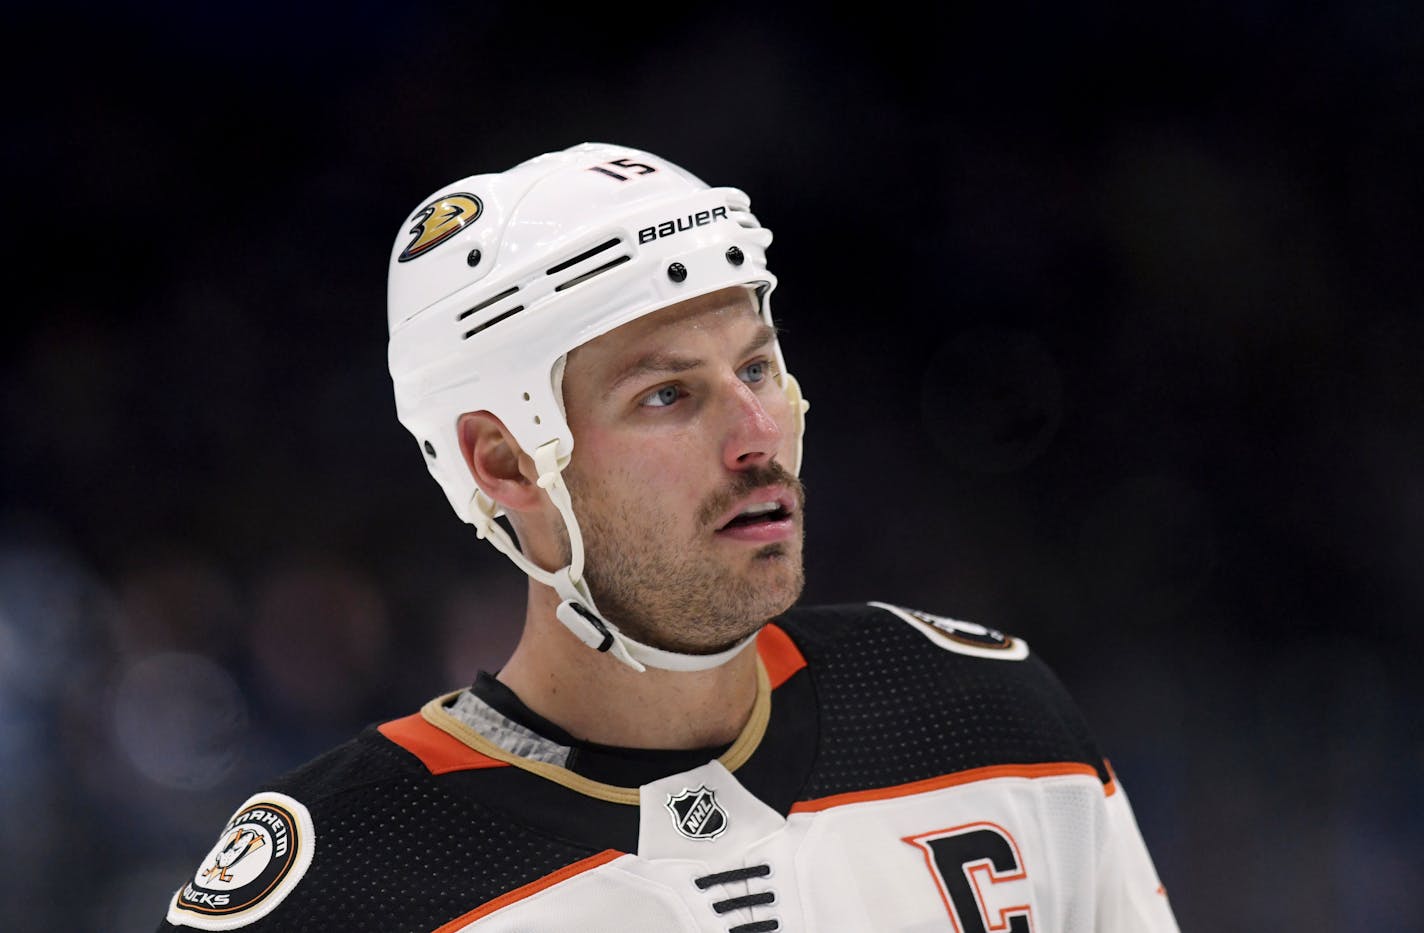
730	311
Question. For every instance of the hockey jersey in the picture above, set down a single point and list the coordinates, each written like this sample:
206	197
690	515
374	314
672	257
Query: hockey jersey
899	772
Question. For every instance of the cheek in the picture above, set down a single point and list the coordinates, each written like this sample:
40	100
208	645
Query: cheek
661	472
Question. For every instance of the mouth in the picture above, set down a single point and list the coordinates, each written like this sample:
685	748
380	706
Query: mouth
765	515
756	514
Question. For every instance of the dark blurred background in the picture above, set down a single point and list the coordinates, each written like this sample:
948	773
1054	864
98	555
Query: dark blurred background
1112	322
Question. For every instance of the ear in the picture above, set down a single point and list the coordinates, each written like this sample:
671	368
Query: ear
500	467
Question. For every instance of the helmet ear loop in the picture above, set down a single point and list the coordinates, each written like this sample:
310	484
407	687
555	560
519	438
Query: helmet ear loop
788	383
482	511
550	467
551	480
577	610
799	407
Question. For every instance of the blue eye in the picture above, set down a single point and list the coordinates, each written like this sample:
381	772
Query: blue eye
755	372
661	398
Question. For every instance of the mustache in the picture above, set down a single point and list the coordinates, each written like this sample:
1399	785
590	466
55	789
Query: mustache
773	474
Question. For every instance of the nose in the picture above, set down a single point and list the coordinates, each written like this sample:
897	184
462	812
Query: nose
753	436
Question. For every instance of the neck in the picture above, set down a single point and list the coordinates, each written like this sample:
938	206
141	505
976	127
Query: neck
597	698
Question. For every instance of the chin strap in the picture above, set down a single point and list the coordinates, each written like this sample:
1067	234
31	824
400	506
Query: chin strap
577	610
605	636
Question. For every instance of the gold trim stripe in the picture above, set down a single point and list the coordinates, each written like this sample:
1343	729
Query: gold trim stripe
733	758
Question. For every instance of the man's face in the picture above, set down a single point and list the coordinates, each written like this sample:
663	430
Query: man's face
680	476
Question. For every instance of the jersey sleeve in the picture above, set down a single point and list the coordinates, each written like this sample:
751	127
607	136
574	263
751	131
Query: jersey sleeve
1131	898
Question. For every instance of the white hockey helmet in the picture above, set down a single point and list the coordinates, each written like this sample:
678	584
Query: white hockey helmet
495	278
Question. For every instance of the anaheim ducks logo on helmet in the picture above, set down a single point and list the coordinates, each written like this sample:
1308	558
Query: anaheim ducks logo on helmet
438	221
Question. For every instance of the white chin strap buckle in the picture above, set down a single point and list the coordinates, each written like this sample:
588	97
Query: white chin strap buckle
590	629
594	632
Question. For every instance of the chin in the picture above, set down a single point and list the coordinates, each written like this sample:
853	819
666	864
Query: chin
699	607
787	580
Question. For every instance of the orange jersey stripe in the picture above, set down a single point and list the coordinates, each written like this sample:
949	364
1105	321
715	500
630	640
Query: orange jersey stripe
1111	787
779	654
439	752
1052	769
533	887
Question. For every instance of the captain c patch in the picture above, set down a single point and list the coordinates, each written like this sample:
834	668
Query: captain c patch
260	856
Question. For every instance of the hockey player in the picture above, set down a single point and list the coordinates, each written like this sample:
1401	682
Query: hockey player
584	345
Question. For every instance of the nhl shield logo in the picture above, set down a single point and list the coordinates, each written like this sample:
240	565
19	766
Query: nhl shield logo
697	814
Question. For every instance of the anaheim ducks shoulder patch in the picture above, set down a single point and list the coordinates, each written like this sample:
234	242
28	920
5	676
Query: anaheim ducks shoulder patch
961	637
261	855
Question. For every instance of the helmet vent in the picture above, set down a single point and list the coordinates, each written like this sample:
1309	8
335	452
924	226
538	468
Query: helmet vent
582	256
592	272
486	303
492	321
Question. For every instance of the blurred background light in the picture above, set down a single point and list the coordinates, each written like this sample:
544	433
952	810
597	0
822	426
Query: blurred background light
180	719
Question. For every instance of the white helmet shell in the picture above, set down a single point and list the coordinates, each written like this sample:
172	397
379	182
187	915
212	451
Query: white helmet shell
496	277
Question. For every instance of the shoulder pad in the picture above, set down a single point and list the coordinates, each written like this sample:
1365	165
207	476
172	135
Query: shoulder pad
961	637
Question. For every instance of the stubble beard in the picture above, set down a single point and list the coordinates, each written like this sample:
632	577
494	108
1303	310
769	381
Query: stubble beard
678	595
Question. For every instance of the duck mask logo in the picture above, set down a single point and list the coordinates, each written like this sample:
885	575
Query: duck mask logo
438	221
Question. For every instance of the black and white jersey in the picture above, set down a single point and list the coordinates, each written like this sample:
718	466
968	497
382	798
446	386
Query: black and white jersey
899	771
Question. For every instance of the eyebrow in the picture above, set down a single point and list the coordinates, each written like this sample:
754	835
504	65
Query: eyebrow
671	364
